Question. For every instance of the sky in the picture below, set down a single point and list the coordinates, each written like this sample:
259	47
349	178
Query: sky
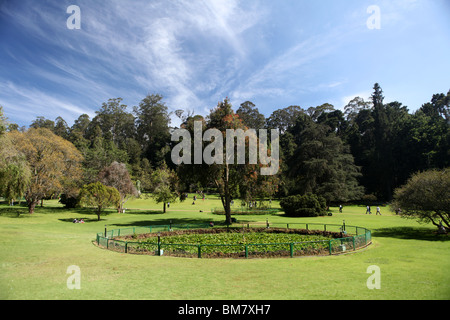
196	53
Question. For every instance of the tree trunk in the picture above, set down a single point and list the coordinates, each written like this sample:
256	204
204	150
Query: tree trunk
442	215
99	211
227	197
164	207
227	210
225	203
31	205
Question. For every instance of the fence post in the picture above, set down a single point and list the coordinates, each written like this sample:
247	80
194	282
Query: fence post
159	244
126	246
329	246
246	251
199	251
354	248
291	245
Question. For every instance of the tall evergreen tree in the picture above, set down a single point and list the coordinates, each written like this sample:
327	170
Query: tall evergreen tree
115	122
283	119
322	163
153	128
250	115
61	128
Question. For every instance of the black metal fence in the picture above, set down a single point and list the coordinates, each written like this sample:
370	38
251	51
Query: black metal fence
347	238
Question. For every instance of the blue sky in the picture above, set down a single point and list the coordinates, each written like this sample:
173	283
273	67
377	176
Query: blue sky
197	52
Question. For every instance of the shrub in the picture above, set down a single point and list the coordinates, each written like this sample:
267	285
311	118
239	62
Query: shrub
426	197
307	205
68	201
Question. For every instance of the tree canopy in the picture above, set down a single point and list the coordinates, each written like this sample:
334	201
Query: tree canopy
116	175
426	197
165	185
99	196
15	172
365	149
54	162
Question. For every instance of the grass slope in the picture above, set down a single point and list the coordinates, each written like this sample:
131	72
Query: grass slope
37	249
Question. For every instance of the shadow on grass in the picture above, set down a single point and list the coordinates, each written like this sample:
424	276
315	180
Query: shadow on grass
410	233
87	214
14	212
22	209
93	215
167	221
86	220
143	211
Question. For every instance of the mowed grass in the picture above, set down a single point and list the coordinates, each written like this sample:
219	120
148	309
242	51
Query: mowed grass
36	250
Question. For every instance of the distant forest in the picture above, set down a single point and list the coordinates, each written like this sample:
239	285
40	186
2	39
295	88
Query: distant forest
371	147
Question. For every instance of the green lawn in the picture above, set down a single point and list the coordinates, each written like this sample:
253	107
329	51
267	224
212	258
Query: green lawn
37	249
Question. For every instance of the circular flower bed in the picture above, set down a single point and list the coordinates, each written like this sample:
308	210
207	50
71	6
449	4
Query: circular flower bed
252	240
233	242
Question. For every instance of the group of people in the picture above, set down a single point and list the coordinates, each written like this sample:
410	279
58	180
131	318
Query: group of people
195	197
78	221
369	212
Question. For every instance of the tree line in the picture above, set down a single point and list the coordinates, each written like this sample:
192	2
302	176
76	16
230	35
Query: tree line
363	152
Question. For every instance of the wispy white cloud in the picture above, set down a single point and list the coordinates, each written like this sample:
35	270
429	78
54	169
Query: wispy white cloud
28	103
174	47
152	44
196	53
290	73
